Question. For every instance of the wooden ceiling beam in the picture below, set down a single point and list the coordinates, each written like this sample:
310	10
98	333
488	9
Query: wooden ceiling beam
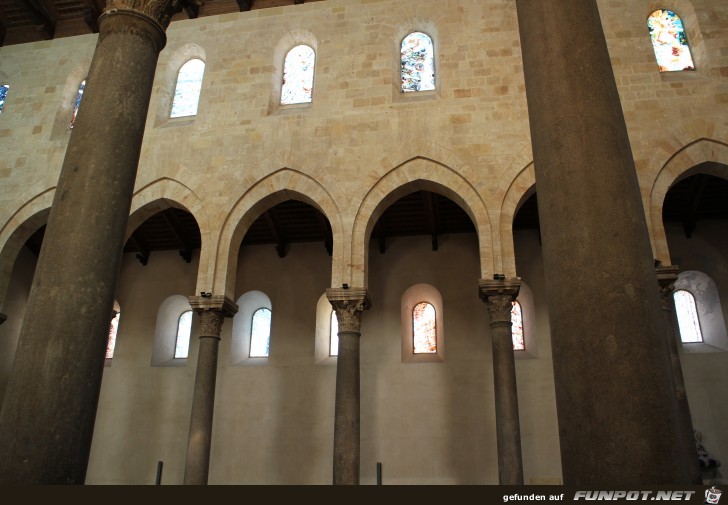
142	250
91	12
691	204
244	5
40	15
179	234
326	231
432	216
278	233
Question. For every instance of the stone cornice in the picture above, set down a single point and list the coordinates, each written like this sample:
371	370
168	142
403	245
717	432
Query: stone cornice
217	303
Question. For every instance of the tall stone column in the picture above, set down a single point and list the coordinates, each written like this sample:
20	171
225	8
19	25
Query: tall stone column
498	296
212	312
348	304
47	420
666	277
616	406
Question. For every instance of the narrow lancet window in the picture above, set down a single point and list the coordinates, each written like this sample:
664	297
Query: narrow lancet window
298	70
424	330
77	103
3	93
184	328
113	329
187	91
517	327
687	317
260	333
669	41
418	63
334	335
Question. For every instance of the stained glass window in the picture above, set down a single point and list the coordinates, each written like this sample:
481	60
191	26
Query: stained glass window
517	327
187	91
184	328
298	75
418	63
260	333
111	342
424	328
669	41
334	335
687	316
76	103
3	93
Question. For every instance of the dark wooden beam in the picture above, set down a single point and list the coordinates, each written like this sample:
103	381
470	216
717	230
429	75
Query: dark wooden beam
180	235
297	2
40	15
245	5
429	202
142	250
691	204
91	13
326	231
278	233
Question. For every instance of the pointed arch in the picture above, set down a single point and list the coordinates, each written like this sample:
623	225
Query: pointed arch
282	185
520	189
414	175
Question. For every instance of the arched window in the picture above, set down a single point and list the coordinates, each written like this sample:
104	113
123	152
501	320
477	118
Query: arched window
424	328
334	335
517	327
418	63
187	91
298	69
3	93
184	328
113	329
687	316
76	103
669	41
260	333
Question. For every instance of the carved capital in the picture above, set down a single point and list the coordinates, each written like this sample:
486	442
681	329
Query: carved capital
211	323
666	277
349	304
498	296
212	311
160	11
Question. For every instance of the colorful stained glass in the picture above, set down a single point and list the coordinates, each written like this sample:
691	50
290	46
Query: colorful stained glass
184	328
3	93
260	333
669	41
187	91
298	75
517	327
418	63
334	335
111	342
424	329
687	317
76	103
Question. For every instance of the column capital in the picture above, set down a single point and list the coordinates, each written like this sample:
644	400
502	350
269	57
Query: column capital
214	303
159	11
498	295
349	303
666	277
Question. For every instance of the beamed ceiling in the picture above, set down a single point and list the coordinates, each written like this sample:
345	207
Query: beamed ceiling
33	20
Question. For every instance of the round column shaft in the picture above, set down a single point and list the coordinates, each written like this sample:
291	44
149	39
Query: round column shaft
212	312
47	420
616	406
498	296
348	305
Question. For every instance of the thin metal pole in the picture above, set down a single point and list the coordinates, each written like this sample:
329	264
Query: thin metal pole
379	474
159	473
